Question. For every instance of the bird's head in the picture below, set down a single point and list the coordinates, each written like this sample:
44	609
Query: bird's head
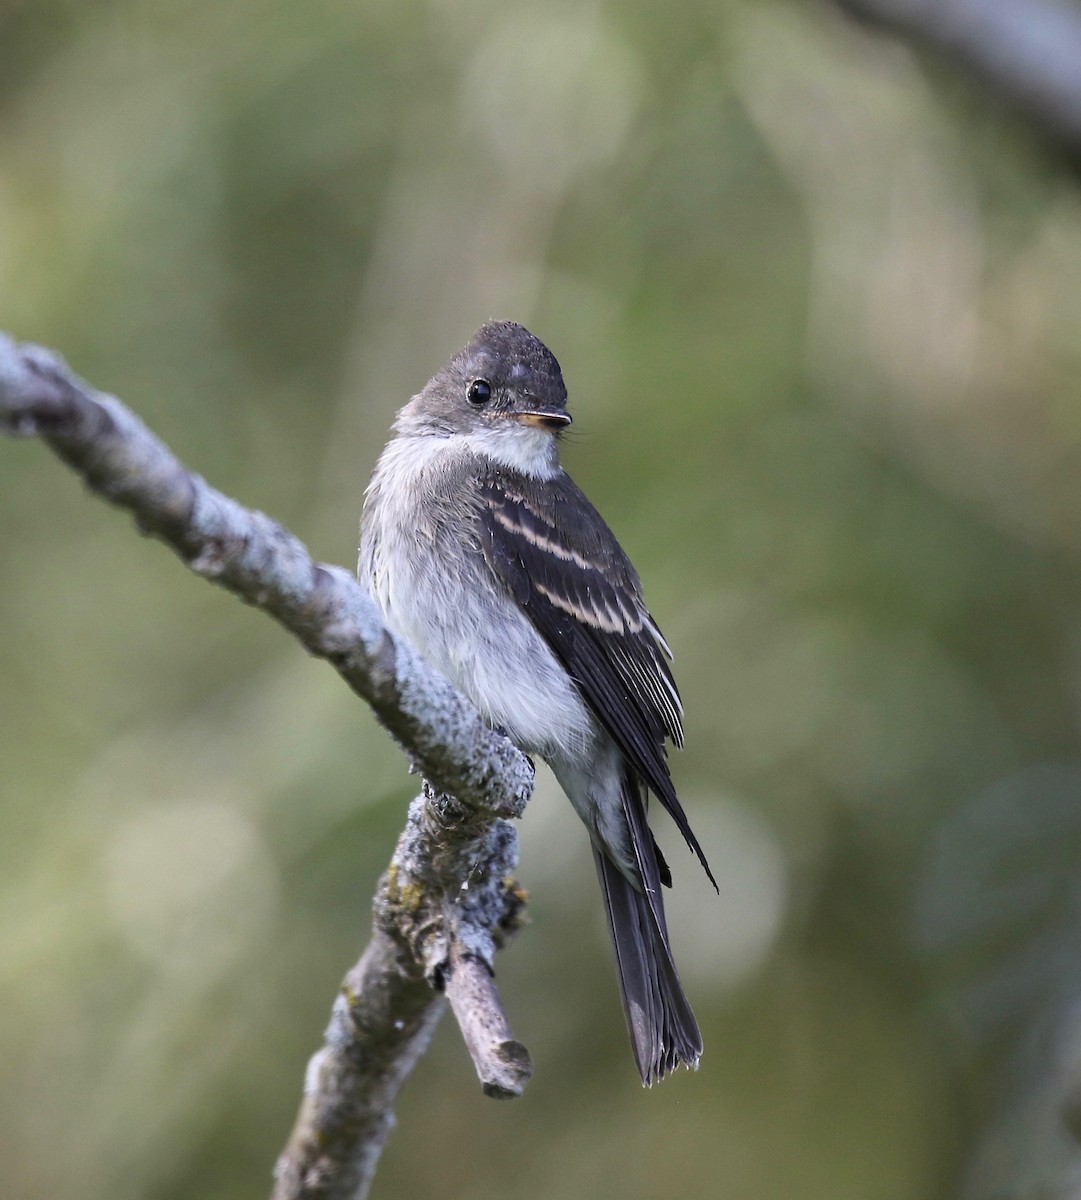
503	393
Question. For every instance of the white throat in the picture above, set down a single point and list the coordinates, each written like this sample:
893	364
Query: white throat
520	447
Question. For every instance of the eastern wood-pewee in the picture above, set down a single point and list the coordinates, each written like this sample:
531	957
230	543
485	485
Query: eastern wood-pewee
484	554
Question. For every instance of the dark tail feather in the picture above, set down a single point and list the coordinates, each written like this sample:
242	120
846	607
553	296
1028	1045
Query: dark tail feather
663	1030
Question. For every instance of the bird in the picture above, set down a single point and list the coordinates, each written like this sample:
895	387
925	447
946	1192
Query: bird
482	552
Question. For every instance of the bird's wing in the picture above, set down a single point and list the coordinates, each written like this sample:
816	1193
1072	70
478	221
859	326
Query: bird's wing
553	552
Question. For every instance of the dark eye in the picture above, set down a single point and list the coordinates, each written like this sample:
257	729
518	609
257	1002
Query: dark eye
479	393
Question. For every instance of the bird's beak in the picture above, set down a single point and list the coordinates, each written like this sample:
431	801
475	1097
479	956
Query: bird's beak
542	418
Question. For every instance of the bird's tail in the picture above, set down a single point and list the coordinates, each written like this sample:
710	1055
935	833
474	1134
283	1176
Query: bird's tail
664	1032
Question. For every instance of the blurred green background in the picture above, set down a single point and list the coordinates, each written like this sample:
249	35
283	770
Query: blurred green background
817	301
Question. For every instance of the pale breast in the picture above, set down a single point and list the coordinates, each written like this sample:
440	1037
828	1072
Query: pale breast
421	560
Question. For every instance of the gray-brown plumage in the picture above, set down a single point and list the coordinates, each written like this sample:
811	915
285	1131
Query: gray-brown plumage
487	556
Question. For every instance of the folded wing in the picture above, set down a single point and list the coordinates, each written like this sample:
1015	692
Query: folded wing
554	553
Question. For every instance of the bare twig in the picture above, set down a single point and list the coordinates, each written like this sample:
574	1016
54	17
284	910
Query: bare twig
447	901
1029	50
502	1063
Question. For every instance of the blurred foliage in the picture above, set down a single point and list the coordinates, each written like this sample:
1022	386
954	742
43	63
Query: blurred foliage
817	306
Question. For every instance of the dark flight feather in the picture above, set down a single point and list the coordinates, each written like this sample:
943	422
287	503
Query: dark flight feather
552	550
662	1026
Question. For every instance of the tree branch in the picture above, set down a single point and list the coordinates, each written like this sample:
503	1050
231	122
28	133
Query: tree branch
1030	50
266	566
448	900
